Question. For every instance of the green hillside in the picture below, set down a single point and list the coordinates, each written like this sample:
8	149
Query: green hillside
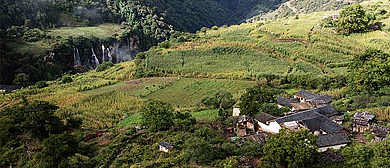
181	86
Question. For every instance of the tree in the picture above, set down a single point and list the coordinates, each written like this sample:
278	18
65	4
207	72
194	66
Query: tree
273	109
353	19
222	100
199	150
369	72
290	149
58	147
254	97
36	118
381	155
157	115
22	79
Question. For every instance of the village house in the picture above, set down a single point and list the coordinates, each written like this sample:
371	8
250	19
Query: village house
244	124
284	102
236	111
314	100
301	106
361	121
165	147
266	122
329	133
380	133
332	141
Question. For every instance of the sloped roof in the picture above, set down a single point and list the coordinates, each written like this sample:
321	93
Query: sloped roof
312	120
307	95
332	139
322	123
323	99
326	110
243	118
301	106
285	102
364	116
165	144
264	117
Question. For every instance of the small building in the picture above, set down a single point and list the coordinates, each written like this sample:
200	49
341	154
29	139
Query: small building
320	101
165	146
314	100
266	122
304	96
284	102
244	124
236	111
380	133
361	121
338	119
332	141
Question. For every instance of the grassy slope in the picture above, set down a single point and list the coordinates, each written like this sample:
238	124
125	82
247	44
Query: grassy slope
40	47
251	49
103	98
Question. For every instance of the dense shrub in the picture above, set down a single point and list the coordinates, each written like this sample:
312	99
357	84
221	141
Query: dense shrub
104	66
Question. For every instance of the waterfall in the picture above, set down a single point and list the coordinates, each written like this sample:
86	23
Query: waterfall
95	60
103	60
76	56
109	55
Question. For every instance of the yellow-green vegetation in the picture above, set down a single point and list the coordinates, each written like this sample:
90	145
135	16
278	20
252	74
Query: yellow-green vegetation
282	47
103	31
188	92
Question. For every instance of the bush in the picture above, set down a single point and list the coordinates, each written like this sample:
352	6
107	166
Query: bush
104	66
41	84
22	79
66	79
58	147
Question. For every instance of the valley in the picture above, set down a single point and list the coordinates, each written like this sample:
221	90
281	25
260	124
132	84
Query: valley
158	83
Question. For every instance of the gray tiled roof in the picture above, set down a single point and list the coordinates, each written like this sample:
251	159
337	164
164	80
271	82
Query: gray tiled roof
332	139
264	117
326	110
322	123
285	102
165	144
323	99
313	120
307	95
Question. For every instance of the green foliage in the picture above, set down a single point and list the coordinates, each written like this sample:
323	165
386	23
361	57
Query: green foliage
183	121
41	84
290	149
273	109
369	72
36	118
157	115
66	79
222	100
22	79
251	101
104	66
353	19
57	148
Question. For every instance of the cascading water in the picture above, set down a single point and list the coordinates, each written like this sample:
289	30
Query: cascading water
95	60
103	48
76	57
109	55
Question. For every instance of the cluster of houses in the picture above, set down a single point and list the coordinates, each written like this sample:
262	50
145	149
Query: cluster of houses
308	111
